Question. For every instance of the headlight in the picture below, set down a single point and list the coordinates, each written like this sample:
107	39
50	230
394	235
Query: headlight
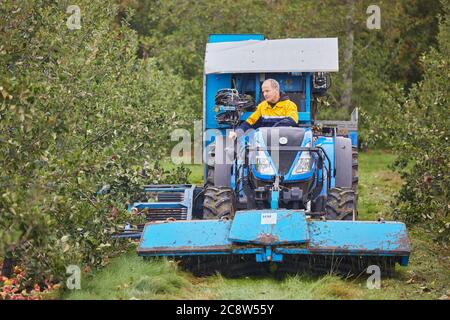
304	162
263	165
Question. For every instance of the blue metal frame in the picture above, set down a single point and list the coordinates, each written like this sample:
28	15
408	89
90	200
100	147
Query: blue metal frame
353	135
219	37
284	232
187	201
306	116
275	196
327	143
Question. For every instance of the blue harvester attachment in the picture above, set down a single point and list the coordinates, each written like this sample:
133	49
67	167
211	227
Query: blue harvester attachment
288	238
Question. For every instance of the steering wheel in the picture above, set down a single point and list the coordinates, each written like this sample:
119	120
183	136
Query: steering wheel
285	122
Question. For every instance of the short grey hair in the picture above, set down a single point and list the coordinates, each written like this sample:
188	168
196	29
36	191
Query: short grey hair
274	83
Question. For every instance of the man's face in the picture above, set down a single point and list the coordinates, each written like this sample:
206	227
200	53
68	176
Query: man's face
271	94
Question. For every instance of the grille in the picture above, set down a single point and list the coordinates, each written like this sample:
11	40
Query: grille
286	158
163	214
170	197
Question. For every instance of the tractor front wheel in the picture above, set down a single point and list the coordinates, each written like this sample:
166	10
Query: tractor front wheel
341	204
219	203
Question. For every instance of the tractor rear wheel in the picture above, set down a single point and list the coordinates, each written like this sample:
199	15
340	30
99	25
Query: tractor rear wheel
219	203
341	203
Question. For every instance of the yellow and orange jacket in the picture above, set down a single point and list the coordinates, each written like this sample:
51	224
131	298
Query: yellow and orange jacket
283	108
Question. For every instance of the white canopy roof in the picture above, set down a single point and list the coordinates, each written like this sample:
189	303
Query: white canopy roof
264	56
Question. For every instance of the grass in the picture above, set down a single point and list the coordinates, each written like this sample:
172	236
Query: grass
129	277
377	184
426	277
291	287
196	176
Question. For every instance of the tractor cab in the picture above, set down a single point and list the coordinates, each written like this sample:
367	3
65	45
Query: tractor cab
276	155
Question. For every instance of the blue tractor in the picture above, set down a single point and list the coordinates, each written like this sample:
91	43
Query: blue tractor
278	197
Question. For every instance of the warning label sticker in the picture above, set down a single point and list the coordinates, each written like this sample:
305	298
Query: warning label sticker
269	218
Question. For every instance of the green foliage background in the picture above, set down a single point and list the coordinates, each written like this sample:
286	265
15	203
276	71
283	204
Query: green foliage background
90	109
79	110
416	124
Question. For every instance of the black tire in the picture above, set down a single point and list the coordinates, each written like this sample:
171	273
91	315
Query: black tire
218	203
341	203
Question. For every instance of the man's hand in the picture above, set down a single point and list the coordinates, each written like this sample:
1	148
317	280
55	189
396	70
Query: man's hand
232	135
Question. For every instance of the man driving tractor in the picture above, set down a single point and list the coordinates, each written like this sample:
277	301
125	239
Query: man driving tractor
275	110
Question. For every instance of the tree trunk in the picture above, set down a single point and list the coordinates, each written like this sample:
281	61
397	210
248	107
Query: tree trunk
346	98
8	265
121	14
